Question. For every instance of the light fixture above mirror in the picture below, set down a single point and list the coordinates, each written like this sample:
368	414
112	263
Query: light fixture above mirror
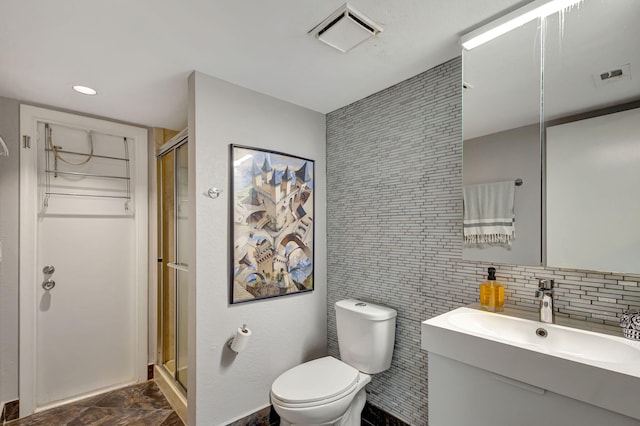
517	18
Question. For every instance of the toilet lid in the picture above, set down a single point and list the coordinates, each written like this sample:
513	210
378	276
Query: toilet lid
315	380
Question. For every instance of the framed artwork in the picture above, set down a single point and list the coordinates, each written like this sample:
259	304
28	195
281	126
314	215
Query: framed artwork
272	232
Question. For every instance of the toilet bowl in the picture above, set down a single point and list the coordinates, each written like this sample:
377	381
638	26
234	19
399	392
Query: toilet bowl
329	391
325	391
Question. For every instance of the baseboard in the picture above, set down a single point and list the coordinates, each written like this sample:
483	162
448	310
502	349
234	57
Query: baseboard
10	410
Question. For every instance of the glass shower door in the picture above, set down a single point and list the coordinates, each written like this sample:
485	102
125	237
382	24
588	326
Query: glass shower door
173	291
182	222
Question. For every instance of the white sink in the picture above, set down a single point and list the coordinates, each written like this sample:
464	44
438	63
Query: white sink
585	346
600	369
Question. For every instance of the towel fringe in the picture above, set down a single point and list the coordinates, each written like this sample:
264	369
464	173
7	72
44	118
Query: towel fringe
488	239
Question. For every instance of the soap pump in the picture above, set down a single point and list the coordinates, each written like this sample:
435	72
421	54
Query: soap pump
492	293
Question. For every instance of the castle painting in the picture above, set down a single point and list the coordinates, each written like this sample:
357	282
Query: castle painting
272	231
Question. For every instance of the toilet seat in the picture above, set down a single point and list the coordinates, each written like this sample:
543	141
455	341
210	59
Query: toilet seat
316	382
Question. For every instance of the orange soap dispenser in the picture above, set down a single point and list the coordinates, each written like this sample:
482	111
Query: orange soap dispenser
492	293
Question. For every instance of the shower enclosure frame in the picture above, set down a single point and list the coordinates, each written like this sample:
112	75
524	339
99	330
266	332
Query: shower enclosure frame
173	145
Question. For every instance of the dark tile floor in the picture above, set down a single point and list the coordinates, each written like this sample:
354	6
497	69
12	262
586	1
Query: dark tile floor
138	405
265	417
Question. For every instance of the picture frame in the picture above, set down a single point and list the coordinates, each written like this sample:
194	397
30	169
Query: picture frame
272	228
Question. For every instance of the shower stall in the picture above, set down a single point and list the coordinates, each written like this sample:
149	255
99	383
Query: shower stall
173	264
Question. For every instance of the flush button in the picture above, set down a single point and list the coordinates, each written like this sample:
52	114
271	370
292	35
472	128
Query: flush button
361	304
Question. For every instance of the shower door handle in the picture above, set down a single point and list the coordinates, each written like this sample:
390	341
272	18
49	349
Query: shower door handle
48	284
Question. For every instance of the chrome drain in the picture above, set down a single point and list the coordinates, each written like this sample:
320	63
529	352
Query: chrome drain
542	332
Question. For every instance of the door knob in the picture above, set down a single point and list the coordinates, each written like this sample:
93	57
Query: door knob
48	284
49	269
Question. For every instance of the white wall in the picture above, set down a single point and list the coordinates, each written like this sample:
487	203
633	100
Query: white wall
286	330
507	155
9	201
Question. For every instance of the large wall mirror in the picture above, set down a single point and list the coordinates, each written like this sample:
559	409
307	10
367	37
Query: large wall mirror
592	120
589	135
501	130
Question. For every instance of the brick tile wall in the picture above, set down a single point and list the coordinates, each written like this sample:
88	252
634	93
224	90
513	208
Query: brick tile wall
394	206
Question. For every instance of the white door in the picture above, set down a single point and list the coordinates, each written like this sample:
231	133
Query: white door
83	257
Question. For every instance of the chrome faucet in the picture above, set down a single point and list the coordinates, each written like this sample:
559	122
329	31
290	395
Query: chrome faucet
545	295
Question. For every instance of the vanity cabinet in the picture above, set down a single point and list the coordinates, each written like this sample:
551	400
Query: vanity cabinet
463	395
508	369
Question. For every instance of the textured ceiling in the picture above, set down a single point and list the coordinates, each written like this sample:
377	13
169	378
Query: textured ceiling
138	54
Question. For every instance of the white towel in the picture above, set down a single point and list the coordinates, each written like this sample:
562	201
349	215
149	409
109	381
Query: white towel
488	213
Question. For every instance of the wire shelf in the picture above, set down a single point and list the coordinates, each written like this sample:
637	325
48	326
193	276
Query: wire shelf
52	170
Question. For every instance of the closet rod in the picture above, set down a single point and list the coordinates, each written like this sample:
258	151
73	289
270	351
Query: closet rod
58	172
86	155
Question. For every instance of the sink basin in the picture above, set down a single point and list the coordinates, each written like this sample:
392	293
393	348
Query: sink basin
556	340
599	369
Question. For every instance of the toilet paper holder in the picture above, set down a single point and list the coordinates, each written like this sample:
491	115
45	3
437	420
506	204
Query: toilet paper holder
240	340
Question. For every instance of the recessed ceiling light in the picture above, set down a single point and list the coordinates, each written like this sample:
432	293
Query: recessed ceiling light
85	90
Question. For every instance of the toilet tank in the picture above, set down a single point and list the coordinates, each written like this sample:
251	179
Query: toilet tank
366	334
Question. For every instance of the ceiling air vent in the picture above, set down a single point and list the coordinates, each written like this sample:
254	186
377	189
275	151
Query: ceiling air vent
345	28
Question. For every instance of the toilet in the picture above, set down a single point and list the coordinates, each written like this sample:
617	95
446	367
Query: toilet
329	391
